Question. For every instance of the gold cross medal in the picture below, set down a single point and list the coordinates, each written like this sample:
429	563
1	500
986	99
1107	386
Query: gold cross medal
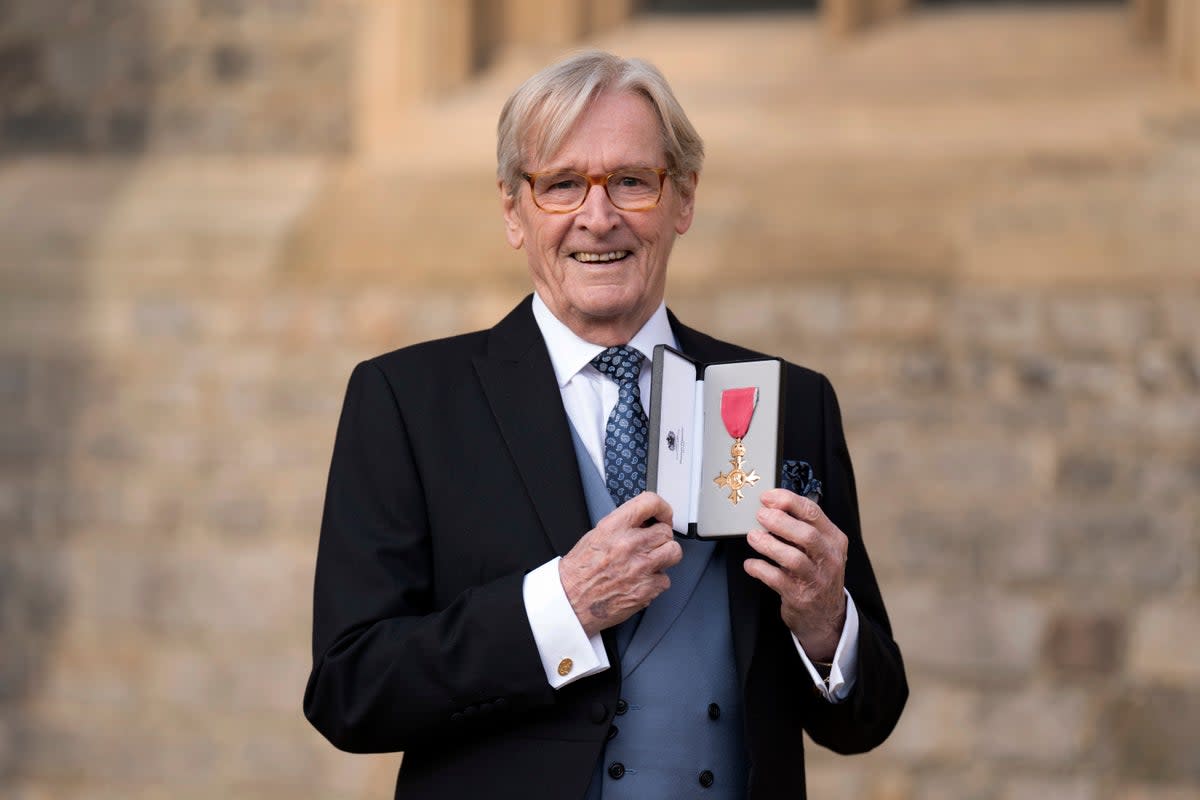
737	409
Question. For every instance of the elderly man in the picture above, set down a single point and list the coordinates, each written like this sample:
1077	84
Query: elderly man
496	596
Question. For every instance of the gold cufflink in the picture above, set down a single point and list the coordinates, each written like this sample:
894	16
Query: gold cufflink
564	666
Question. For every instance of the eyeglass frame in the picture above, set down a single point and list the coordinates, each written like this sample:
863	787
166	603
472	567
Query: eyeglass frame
597	180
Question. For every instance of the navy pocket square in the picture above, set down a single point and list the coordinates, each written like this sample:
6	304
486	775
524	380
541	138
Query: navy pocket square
797	476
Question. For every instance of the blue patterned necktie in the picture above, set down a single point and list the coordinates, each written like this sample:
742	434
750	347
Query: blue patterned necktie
625	436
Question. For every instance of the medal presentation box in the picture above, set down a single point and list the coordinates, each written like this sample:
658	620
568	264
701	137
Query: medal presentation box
714	441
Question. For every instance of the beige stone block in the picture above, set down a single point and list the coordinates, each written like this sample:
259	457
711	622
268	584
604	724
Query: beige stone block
998	318
1162	225
1165	642
971	467
939	723
129	750
967	631
1148	18
842	17
235	590
604	14
819	311
91	675
890	784
1048	726
1149	735
973	781
832	779
1082	644
1051	230
1181	314
1021	549
1121	546
1183	39
1059	788
111	586
1104	324
882	10
1096	377
895	312
546	22
192	676
1155	791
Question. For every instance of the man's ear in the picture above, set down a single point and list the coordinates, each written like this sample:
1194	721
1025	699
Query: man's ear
687	204
513	230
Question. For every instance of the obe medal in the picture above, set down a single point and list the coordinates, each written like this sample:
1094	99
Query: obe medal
737	409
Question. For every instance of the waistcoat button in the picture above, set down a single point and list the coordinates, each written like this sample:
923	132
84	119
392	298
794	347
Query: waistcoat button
616	770
613	730
706	778
622	706
714	711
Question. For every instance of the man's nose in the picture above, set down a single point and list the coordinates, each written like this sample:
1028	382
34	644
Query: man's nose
597	211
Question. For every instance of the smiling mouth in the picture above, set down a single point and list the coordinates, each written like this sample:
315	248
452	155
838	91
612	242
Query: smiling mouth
601	258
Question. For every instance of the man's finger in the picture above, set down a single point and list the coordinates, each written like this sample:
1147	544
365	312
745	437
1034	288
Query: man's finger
667	554
799	507
646	506
789	558
769	574
795	532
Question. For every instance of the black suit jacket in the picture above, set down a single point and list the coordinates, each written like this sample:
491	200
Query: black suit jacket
453	475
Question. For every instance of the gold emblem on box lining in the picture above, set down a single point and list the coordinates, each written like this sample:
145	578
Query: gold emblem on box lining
738	477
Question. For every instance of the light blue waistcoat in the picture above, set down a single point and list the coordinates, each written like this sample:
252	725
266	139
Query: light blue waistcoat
682	721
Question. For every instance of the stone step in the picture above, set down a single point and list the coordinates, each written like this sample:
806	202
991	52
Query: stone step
887	155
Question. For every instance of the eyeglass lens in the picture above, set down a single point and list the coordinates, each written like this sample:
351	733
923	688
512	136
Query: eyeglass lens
629	189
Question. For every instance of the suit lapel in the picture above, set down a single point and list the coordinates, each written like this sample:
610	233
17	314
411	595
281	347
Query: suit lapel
666	608
743	591
518	380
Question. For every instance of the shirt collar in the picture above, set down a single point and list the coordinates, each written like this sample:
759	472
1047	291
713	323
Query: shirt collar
569	353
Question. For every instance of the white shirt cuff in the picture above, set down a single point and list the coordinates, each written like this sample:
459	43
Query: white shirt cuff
844	671
567	652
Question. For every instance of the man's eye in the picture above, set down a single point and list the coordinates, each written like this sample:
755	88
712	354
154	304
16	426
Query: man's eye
630	181
560	183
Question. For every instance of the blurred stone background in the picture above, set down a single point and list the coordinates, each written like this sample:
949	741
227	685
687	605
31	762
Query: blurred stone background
981	220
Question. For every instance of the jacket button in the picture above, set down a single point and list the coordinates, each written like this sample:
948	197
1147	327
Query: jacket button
470	711
714	711
706	779
616	770
613	730
501	703
622	706
599	712
456	716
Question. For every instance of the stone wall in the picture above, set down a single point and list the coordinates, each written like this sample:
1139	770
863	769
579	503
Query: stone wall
994	265
196	75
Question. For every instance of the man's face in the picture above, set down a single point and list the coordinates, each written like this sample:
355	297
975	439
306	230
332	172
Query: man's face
601	270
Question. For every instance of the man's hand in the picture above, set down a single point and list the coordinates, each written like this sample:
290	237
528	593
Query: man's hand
616	569
810	552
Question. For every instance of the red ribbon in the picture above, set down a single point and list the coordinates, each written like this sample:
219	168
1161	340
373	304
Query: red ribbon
737	408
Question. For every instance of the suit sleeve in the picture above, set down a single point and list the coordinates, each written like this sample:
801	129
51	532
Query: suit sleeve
872	709
391	665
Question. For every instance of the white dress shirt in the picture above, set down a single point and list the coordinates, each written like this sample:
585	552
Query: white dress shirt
588	397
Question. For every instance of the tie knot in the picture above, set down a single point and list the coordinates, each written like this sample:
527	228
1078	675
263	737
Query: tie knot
622	364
